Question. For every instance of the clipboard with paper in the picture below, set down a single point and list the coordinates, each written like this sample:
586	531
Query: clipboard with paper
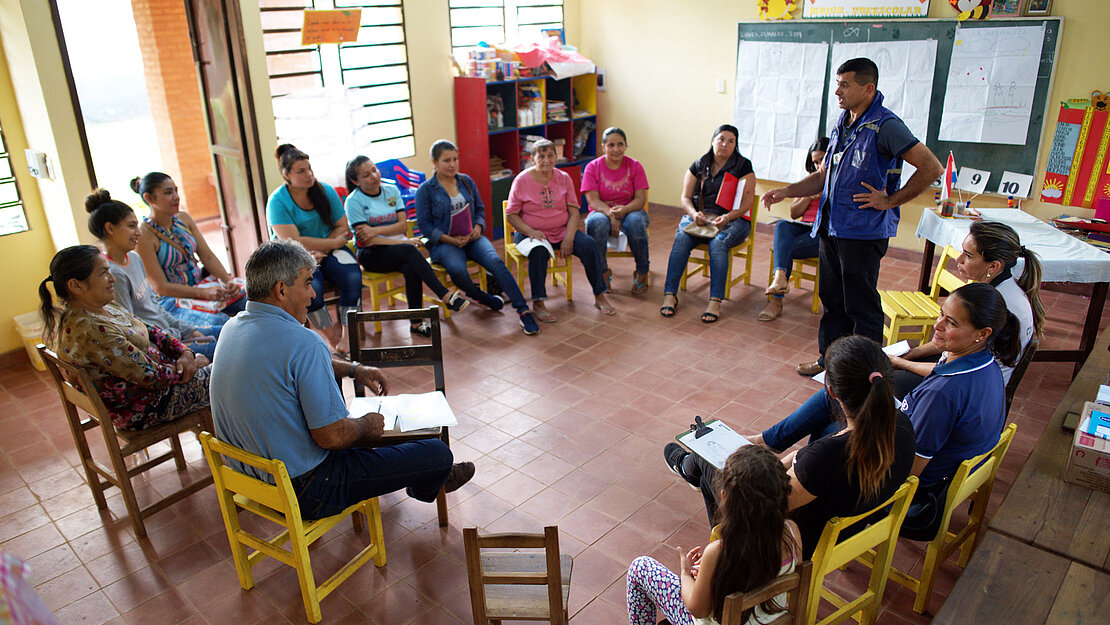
712	440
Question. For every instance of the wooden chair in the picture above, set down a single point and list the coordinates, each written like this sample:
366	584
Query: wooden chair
1019	371
833	553
408	355
699	258
69	381
796	584
804	269
974	480
518	263
278	504
914	309
389	288
515	585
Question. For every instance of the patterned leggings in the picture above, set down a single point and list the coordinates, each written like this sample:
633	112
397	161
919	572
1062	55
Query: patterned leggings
652	585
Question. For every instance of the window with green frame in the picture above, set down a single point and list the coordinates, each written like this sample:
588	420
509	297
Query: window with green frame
12	217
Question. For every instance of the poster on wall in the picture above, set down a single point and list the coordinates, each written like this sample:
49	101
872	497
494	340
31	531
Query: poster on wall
991	80
817	9
1077	172
778	104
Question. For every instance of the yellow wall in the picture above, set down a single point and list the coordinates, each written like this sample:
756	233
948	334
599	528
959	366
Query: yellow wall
27	254
662	64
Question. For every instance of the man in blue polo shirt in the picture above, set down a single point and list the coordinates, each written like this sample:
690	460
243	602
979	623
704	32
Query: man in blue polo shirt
274	395
859	208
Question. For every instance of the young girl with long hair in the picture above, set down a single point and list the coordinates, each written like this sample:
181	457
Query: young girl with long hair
116	226
756	544
861	455
310	212
376	214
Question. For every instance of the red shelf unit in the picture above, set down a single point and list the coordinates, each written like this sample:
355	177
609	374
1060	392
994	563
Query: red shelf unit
477	141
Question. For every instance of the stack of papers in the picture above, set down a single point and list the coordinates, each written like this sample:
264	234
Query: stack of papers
408	412
716	446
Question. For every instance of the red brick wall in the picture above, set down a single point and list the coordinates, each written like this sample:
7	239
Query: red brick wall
171	82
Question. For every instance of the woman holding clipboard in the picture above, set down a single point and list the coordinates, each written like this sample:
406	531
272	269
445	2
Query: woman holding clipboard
709	189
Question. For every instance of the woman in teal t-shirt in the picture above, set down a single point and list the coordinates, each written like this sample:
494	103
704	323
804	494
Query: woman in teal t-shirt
309	211
376	214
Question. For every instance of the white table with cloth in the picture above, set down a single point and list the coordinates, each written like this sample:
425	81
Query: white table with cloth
1064	259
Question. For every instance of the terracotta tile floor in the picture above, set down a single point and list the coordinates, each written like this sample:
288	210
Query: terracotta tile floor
565	427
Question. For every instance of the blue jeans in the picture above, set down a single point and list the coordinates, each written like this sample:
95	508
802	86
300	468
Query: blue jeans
346	276
583	248
209	348
792	241
634	225
200	318
814	418
482	252
720	247
348	476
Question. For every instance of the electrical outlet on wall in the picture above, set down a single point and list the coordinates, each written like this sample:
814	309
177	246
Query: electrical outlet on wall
721	85
36	163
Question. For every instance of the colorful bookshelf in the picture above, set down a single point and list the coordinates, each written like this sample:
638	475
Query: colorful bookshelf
564	109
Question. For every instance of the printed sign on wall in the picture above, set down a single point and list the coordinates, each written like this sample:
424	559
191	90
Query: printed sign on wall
816	9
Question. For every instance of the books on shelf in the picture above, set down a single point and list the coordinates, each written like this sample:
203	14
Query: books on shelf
556	111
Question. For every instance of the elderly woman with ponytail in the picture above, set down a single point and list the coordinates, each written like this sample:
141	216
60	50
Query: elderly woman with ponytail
854	463
170	250
144	376
990	252
117	228
310	212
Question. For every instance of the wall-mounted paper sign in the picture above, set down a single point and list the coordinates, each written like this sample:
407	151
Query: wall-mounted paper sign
974	180
330	26
1016	185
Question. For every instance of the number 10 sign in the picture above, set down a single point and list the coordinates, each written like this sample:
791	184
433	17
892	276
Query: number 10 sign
1016	185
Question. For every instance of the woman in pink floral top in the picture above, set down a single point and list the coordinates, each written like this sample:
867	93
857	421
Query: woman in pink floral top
143	375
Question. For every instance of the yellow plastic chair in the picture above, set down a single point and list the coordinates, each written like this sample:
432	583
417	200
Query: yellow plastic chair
808	269
914	309
699	258
832	553
389	288
974	480
561	272
277	503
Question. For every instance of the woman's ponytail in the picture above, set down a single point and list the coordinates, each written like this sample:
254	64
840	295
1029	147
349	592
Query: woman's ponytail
1030	282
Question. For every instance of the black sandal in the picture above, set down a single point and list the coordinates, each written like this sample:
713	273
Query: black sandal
668	311
424	329
708	317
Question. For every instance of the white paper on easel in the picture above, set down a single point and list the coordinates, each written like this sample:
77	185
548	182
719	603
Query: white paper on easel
973	180
897	349
526	246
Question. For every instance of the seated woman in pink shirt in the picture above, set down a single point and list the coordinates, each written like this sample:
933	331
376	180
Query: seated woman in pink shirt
616	188
543	205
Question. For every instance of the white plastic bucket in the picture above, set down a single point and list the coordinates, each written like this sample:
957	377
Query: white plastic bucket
30	327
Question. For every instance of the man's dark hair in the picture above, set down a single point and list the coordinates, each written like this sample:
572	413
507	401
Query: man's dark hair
865	69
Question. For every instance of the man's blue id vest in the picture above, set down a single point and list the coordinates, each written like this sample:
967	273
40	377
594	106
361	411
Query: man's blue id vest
854	159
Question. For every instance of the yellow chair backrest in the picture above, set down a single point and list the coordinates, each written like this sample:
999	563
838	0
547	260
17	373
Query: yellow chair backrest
975	472
830	555
944	279
277	498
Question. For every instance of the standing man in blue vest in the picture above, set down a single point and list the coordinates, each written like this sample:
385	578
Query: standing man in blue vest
860	196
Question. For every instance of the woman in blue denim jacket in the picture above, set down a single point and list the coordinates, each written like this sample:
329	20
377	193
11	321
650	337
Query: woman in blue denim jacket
451	216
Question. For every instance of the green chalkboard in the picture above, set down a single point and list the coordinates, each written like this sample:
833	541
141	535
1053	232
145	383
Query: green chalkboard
992	157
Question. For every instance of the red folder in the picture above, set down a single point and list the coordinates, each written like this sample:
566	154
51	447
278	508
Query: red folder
727	195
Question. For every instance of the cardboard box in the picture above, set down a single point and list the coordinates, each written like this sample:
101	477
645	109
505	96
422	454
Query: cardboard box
1089	460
